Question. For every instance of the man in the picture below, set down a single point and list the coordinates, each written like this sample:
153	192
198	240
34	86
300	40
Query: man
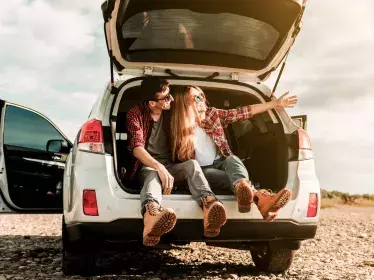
148	126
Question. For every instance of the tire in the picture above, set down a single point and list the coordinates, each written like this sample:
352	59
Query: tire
77	259
273	260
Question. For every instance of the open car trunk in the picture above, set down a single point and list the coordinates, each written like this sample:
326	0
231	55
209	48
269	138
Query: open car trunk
250	37
259	142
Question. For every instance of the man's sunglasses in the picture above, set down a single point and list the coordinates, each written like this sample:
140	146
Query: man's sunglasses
166	98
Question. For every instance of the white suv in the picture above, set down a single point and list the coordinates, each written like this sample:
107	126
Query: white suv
228	49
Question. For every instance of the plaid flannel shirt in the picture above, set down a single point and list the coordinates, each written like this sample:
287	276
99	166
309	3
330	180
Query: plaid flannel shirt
217	119
139	123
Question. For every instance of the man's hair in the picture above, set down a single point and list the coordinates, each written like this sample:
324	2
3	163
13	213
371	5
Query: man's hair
151	85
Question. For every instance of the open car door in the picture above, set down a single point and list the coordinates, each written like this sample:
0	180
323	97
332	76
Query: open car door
33	152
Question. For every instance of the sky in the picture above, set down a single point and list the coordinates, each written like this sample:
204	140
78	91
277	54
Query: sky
53	59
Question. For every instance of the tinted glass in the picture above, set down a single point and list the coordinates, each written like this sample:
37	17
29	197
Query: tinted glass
27	129
179	29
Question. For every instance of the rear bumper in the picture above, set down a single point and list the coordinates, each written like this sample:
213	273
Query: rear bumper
192	231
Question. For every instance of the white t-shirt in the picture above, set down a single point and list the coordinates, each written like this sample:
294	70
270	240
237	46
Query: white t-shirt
205	148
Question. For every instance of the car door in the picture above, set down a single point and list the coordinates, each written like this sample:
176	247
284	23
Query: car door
33	155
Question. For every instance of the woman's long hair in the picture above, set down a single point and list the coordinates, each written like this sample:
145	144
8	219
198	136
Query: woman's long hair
182	126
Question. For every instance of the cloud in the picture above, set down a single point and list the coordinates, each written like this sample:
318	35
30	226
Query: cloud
53	57
330	69
332	50
69	128
38	35
344	165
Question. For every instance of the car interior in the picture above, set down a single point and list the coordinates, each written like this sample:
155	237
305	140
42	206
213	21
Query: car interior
258	141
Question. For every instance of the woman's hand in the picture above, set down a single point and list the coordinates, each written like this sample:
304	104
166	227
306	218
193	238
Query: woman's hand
286	101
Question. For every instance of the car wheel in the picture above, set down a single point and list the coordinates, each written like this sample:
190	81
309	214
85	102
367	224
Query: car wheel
77	259
273	260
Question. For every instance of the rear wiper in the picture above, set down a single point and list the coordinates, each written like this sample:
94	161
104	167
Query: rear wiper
215	74
168	71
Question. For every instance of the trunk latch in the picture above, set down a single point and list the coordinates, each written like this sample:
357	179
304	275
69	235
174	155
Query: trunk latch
148	71
234	76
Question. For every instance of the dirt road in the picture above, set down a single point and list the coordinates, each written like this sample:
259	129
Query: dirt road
30	248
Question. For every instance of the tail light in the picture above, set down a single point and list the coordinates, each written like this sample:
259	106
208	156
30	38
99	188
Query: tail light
90	203
91	137
313	205
305	146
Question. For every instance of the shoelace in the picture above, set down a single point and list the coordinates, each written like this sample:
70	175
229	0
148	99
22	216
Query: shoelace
207	203
238	183
267	192
154	209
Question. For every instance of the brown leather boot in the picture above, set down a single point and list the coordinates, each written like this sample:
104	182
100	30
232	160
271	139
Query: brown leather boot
244	195
269	204
157	221
214	216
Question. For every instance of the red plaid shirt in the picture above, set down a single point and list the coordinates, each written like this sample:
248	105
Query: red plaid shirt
218	119
139	123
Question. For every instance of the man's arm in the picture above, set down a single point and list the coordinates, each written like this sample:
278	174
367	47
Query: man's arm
145	158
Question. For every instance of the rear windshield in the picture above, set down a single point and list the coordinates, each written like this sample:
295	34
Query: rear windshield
180	29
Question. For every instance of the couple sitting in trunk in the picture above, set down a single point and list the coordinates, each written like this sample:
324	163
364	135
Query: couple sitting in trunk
173	147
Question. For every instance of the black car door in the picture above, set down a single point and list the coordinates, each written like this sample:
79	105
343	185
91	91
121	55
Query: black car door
34	152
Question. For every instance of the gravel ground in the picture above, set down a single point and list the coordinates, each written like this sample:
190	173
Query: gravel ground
30	248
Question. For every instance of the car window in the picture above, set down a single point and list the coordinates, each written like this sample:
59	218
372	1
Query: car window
24	128
180	29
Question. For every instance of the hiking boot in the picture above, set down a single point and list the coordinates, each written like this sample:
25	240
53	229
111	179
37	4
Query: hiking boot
244	195
157	221
269	204
214	216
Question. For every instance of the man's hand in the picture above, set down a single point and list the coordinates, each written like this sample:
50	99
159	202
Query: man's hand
286	101
146	159
167	180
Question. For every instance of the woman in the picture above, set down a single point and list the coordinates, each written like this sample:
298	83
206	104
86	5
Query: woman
198	133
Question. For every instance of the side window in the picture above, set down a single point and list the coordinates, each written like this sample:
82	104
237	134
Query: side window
24	128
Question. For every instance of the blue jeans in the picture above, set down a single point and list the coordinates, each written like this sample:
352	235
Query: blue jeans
233	168
189	171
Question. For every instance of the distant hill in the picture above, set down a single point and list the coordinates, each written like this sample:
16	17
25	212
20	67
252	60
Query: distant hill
331	198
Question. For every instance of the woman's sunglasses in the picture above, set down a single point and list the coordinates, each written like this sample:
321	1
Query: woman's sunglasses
198	98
